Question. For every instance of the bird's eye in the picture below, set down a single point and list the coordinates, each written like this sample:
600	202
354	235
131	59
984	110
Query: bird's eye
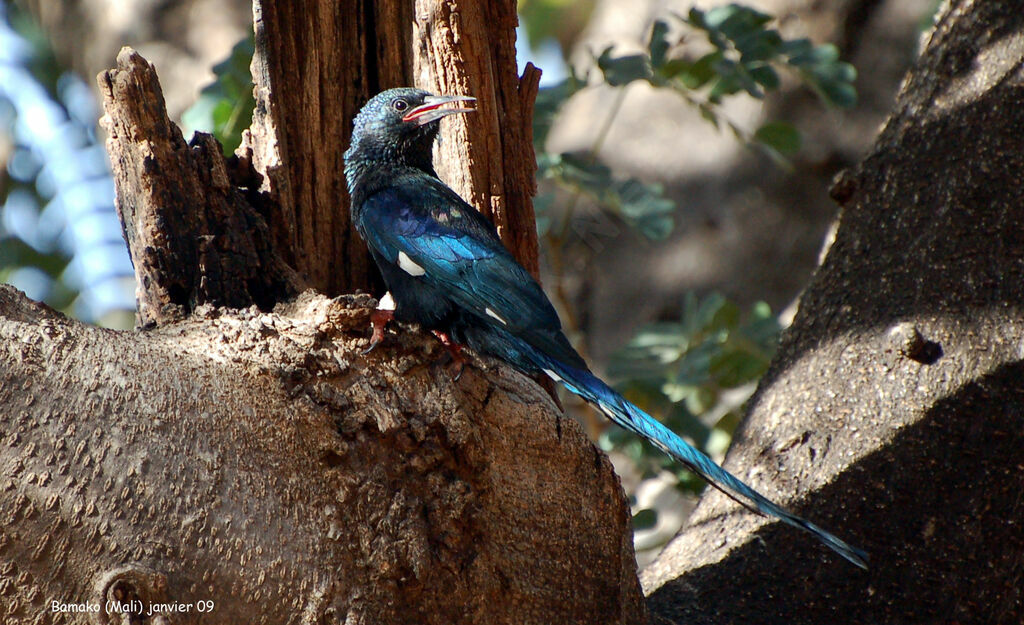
399	105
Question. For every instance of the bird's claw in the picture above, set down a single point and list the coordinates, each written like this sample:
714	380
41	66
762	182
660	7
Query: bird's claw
459	359
460	366
379	320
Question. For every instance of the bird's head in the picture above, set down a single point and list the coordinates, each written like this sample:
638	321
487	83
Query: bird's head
400	125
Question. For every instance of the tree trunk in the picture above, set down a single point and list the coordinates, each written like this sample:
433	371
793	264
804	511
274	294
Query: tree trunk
894	409
260	462
306	102
238	459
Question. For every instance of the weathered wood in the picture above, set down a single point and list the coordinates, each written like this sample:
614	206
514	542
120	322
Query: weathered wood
316	64
193	237
468	47
262	462
305	103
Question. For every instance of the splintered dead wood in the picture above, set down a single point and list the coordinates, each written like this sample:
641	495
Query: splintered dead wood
192	234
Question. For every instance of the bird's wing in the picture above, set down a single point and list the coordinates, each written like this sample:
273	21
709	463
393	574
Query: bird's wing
427	229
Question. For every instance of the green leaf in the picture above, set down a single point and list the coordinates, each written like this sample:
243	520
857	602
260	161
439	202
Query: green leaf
710	115
765	76
761	311
696	18
701	314
225	106
758	45
834	83
726	316
658	44
736	368
796	48
645	519
824	54
675	68
701	72
735	21
779	136
622	70
582	170
644	207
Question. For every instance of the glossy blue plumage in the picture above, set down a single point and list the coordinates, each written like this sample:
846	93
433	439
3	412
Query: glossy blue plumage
447	270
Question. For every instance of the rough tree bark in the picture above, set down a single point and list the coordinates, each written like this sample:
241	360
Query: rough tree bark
259	461
240	449
305	104
894	412
460	45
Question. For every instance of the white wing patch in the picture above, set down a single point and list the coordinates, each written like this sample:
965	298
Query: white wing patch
387	302
551	374
491	313
409	266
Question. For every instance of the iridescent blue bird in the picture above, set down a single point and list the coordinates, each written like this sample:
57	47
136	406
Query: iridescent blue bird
447	270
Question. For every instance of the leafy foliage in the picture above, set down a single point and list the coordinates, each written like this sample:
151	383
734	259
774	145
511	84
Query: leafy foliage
225	106
694	373
682	371
639	204
745	58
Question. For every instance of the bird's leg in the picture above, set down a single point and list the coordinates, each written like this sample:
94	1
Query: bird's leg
454	350
379	320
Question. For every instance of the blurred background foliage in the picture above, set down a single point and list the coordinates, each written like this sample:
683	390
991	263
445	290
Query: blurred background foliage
60	240
224	107
694	367
694	373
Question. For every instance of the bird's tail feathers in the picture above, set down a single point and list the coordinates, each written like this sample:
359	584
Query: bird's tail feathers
629	416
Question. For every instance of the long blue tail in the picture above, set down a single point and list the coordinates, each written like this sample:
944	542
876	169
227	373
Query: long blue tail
627	415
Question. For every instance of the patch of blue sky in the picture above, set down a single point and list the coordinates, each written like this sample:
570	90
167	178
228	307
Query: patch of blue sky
56	146
547	56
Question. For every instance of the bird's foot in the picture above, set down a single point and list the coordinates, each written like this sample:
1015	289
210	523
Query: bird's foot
379	320
459	359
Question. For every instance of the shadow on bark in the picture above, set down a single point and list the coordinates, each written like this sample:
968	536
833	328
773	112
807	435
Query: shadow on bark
939	511
931	226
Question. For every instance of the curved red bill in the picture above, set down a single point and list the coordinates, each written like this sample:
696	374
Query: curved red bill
431	109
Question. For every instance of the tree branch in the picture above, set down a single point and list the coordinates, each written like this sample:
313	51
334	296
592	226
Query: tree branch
261	462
